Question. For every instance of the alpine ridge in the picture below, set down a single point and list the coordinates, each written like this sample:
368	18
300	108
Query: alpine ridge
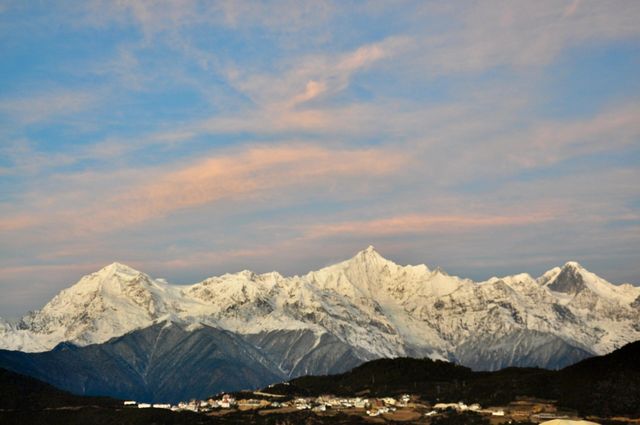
363	308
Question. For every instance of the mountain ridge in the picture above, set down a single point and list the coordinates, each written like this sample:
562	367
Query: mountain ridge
368	305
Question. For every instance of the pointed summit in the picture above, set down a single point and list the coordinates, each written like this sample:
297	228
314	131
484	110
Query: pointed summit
370	251
115	279
368	256
574	265
116	267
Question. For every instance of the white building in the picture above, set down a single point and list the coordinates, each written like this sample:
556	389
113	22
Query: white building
161	406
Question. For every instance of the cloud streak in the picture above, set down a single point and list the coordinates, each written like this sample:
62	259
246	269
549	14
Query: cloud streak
46	106
231	177
253	171
423	223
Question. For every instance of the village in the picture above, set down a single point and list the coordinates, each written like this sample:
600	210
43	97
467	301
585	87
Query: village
407	407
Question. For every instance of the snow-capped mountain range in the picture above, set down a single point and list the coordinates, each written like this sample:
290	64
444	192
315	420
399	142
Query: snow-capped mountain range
367	305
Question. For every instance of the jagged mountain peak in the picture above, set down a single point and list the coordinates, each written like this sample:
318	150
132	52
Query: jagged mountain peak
116	279
368	255
573	265
572	278
440	270
245	274
118	268
365	266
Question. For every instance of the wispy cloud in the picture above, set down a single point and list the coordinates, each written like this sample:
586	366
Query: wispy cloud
423	223
16	223
520	35
221	178
245	174
172	15
314	75
45	106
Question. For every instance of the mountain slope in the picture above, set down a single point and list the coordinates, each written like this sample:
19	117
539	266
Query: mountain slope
164	362
364	308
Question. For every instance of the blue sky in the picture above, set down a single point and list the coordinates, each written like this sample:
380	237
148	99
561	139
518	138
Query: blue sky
190	138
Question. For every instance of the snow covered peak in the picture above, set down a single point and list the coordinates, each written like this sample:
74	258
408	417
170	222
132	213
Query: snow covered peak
573	265
369	255
573	279
365	269
116	267
100	306
113	276
114	280
548	276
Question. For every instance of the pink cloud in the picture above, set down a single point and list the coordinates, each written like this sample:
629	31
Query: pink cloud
235	176
553	142
8	224
422	223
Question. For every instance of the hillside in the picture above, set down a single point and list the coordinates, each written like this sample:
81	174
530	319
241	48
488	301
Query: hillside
604	385
19	392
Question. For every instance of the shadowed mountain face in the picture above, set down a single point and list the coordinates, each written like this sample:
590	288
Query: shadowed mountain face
569	281
521	349
301	352
167	362
163	362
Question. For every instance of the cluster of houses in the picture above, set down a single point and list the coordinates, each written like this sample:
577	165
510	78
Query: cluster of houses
225	402
538	410
373	406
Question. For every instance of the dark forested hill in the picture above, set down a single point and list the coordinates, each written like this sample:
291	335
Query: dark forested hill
19	392
604	385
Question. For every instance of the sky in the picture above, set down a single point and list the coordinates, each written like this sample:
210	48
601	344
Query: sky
189	139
